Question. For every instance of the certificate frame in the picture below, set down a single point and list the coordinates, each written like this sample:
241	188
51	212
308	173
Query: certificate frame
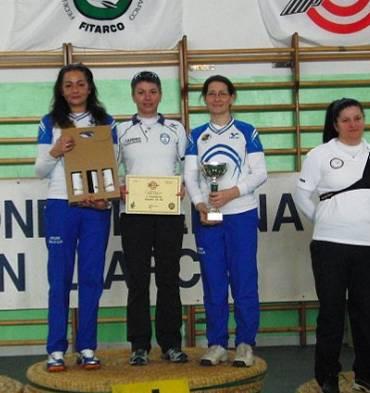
153	195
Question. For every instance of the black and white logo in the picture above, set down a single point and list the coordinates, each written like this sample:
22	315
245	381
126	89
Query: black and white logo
299	6
165	138
336	163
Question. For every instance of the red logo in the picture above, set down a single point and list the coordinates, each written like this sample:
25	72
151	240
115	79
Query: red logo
331	16
342	11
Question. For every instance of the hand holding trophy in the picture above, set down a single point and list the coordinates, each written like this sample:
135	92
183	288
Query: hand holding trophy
213	170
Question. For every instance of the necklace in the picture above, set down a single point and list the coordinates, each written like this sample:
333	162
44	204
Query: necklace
352	150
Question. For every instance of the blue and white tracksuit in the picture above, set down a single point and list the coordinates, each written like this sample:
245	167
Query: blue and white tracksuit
69	229
227	251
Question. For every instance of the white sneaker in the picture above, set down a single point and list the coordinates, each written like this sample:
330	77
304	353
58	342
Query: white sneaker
244	356
87	360
55	362
214	355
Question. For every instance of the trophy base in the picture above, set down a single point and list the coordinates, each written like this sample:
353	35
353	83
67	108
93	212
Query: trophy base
214	216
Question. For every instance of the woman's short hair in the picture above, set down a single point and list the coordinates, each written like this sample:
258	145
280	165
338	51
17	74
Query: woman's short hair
145	76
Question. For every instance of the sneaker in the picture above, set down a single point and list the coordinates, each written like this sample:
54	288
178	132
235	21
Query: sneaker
175	355
87	360
214	355
243	356
55	362
330	385
139	358
359	385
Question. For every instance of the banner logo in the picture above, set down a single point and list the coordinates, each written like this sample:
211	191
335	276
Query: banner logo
102	9
299	6
96	24
333	17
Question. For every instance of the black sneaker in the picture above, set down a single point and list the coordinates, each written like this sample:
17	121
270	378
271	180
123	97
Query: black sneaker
175	355
139	358
330	385
359	385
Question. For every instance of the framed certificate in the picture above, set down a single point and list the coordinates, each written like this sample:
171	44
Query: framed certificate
153	195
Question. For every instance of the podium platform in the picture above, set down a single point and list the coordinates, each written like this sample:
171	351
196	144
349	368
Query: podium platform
345	384
115	369
9	385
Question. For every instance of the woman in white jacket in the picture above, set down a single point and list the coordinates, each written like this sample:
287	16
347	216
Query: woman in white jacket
227	249
337	173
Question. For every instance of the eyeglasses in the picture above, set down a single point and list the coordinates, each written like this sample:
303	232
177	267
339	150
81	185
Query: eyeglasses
220	94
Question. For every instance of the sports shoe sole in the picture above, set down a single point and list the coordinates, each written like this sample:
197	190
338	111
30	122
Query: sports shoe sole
56	369
208	363
180	359
90	366
185	360
241	363
138	364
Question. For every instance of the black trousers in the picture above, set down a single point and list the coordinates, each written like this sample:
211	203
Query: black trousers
341	272
142	237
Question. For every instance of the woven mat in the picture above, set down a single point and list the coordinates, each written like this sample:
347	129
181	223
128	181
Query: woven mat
8	385
345	384
32	389
115	369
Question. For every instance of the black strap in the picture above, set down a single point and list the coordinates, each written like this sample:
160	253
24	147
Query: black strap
364	182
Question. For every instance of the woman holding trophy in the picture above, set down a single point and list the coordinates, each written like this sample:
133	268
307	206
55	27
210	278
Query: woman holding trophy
224	165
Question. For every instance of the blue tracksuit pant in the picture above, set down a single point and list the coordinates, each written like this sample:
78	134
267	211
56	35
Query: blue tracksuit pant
69	229
227	253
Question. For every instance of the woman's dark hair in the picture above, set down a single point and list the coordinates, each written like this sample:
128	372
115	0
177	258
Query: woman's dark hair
60	109
332	113
218	78
145	76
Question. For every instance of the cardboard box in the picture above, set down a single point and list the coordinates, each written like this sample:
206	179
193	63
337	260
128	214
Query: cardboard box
91	166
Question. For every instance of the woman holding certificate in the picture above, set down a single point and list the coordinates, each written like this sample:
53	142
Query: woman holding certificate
151	146
224	165
69	228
